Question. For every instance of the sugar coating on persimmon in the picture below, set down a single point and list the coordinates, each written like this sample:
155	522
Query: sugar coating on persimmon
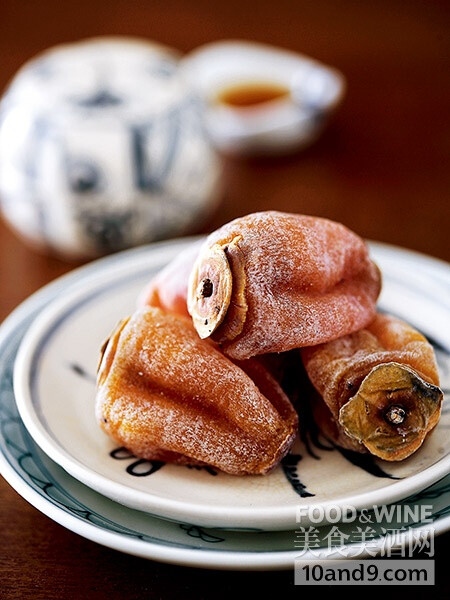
165	394
168	289
295	281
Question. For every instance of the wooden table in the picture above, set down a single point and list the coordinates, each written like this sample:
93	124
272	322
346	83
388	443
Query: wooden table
382	168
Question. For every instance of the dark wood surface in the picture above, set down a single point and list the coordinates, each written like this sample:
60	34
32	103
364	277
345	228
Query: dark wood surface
382	168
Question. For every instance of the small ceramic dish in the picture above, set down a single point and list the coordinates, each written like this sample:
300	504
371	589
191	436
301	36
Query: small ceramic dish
54	383
261	99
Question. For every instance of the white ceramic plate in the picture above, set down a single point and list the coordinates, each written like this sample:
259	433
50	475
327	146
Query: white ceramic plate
64	499
54	387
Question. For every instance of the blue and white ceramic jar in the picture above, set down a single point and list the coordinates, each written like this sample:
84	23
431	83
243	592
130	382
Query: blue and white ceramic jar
102	147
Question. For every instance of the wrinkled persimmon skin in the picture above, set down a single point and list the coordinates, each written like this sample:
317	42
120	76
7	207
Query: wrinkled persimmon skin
168	289
167	395
302	281
338	370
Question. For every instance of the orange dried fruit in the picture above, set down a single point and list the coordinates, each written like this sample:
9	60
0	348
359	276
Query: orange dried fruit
379	388
165	394
295	281
168	289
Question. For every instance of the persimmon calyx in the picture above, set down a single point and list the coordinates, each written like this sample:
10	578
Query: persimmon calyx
392	412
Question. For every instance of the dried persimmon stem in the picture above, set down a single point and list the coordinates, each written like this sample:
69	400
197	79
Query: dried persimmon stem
395	414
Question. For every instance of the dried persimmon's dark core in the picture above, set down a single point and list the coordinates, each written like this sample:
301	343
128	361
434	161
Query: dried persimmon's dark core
206	288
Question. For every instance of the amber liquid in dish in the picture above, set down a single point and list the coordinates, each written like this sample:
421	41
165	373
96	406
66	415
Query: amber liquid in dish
249	95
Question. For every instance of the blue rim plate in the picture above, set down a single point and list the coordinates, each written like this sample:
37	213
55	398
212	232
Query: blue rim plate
54	381
54	492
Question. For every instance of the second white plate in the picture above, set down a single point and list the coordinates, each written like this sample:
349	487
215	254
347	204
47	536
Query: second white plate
54	386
